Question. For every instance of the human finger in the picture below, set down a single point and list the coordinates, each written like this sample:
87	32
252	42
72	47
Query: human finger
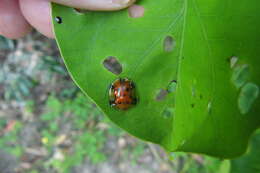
12	23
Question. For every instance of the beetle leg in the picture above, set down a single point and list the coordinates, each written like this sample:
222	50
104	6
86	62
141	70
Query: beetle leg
132	85
134	101
111	86
112	102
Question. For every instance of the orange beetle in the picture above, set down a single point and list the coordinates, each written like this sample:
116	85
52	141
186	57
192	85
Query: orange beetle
122	94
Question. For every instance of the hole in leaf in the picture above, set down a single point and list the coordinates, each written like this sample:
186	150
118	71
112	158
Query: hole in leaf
172	86
81	11
183	143
209	107
240	75
169	43
136	11
233	61
113	65
58	19
193	91
161	95
168	112
247	97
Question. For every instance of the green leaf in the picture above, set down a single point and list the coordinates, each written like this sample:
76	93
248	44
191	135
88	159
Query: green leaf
209	39
250	162
224	167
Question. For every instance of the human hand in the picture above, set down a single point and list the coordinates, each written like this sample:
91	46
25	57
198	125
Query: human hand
17	17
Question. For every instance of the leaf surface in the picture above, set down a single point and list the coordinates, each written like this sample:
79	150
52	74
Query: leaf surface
215	56
248	163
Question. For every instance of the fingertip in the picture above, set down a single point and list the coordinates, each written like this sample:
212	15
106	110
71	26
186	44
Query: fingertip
15	35
12	23
97	5
38	14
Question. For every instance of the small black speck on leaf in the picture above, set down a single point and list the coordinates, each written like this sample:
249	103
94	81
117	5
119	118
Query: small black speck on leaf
58	19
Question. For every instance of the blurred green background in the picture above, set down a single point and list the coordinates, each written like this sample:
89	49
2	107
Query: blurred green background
48	126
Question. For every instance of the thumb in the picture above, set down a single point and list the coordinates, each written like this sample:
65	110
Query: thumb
102	5
37	12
